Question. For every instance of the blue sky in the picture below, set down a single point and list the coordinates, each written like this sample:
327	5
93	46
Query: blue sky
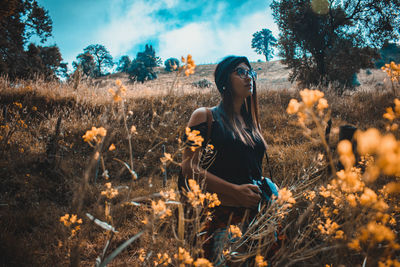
209	30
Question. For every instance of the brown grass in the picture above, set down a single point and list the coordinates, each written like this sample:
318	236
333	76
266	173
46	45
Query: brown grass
34	193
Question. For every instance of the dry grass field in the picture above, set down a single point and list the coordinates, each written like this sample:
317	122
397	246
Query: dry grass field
113	183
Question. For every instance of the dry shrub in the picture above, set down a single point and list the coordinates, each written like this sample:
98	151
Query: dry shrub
41	192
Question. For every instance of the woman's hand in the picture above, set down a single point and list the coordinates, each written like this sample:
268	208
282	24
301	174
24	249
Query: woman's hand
247	195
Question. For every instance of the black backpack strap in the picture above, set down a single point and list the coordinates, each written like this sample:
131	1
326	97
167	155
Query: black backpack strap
209	123
269	164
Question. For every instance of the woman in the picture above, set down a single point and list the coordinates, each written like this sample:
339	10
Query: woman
238	144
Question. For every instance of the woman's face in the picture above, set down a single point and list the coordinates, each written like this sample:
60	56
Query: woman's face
241	81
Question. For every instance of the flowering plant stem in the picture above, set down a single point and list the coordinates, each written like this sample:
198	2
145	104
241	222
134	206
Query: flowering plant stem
325	144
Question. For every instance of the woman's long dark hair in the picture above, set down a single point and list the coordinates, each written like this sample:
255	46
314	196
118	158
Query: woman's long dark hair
249	109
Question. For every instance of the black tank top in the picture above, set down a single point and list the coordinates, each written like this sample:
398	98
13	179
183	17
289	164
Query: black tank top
234	161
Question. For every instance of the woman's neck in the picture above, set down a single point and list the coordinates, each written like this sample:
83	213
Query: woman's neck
237	105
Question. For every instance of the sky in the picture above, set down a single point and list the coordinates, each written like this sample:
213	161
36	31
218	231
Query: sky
208	30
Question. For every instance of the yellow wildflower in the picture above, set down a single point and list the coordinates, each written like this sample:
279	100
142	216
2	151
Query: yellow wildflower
392	70
190	66
34	108
389	114
133	129
142	255
377	233
397	106
167	157
310	195
65	219
349	181
194	137
310	97
392	187
112	147
322	104
160	209
259	261
293	106
285	196
344	147
235	231
202	262
329	228
183	256
196	197
352	200
19	105
368	141
213	200
171	195
339	234
68	220
380	205
302	117
354	244
109	192
368	198
92	135
163	259
346	154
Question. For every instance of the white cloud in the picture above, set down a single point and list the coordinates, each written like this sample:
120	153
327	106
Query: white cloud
208	42
130	25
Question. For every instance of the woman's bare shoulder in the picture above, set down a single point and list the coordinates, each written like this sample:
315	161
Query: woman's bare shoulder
198	116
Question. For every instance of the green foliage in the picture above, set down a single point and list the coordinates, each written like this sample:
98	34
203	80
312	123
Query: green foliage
44	61
124	64
85	63
263	43
94	59
19	21
389	52
323	41
169	63
142	67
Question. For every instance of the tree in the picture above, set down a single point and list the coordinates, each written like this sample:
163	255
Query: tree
85	63
263	43
142	67
170	63
99	56
19	21
325	41
389	52
44	61
124	64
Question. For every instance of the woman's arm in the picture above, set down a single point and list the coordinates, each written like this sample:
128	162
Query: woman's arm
246	195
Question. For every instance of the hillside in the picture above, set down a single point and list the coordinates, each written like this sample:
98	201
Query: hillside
270	75
49	174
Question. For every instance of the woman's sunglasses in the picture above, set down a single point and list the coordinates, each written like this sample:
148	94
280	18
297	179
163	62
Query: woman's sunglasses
243	73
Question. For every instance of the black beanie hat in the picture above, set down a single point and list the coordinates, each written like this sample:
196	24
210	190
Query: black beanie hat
225	67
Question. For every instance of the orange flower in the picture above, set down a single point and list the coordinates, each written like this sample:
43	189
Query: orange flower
285	196
293	106
259	261
368	141
202	262
235	231
310	97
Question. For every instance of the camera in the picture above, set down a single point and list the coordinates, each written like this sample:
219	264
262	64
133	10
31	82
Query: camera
267	188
